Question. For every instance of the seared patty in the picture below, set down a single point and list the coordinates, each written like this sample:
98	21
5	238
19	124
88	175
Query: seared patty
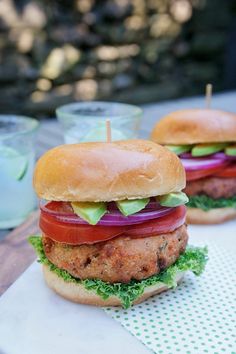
120	259
214	187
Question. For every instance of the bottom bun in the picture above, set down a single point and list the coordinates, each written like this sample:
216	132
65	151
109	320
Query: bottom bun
213	216
78	293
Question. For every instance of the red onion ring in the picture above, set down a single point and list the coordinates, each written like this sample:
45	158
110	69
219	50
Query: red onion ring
201	163
223	156
179	216
113	217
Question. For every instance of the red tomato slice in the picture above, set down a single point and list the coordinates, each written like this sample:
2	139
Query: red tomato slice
229	171
78	234
75	234
192	175
161	225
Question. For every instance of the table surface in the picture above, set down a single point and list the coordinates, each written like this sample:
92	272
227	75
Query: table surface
15	253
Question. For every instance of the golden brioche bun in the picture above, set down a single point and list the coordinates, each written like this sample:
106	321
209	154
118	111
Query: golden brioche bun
77	292
213	216
193	126
108	171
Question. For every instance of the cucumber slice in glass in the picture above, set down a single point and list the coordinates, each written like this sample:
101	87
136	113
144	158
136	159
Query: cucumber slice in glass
13	163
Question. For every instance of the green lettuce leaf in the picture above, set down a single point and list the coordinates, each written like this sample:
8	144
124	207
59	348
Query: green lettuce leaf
207	203
193	259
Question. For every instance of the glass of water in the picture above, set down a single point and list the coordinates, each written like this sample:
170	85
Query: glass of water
86	121
16	169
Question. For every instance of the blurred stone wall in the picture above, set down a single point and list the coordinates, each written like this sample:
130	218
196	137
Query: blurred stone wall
137	51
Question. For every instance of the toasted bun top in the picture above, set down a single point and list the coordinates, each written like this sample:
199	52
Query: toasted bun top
108	171
193	126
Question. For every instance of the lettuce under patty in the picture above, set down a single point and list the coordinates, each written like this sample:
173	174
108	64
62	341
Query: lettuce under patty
207	203
193	259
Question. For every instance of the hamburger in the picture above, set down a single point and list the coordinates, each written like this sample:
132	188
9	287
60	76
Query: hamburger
113	222
205	141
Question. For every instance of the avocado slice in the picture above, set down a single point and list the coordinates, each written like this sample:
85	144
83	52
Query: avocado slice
173	199
179	149
90	211
207	149
231	150
129	207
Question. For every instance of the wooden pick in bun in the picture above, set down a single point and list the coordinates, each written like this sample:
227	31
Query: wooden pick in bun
113	223
202	129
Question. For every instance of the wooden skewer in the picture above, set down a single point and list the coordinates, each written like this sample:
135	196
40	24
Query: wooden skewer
208	95
108	129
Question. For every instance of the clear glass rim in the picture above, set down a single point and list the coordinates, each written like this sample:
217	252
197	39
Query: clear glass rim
31	125
65	110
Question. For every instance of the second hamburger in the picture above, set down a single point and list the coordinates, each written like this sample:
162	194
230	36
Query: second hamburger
205	140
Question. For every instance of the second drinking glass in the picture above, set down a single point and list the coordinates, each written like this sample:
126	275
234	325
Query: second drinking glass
86	121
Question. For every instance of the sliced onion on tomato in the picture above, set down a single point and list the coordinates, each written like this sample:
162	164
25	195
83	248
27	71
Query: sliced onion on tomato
78	234
63	212
75	234
223	156
164	224
227	172
218	164
197	168
201	163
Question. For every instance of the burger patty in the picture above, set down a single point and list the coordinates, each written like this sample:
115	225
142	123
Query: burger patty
214	187
120	259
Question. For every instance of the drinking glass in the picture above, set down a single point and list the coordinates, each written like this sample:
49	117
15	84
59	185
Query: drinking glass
16	169
86	121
